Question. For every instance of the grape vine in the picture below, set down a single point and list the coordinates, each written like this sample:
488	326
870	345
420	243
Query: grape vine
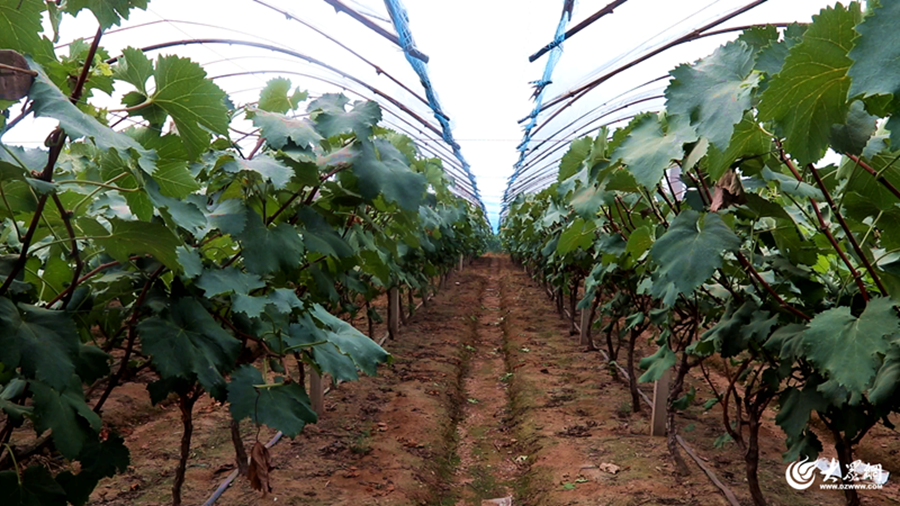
770	268
169	247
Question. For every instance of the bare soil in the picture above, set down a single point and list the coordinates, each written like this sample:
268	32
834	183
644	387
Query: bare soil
487	397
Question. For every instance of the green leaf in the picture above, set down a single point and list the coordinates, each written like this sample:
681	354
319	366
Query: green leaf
283	407
792	186
64	412
108	12
92	363
229	280
657	364
727	335
36	488
270	249
796	406
382	169
97	460
321	237
579	234
134	68
268	168
50	102
185	341
690	252
571	162
284	301
20	29
714	92
877	44
138	238
190	261
44	343
846	349
366	354
862	183
771	58
748	140
787	342
275	96
194	102
640	240
810	93
853	136
359	120
649	149
586	202
888	379
277	129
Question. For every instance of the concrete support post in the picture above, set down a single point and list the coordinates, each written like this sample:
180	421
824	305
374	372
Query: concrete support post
660	401
394	312
316	392
586	324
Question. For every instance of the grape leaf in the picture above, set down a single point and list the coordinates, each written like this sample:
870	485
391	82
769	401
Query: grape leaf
810	93
134	68
194	102
277	129
888	379
321	237
275	96
876	46
35	487
845	348
20	29
185	341
796	406
64	412
657	364
382	169
651	146
748	140
43	342
714	92
571	162
283	299
359	120
284	407
366	354
229	280
138	237
267	167
690	252
97	460
108	12
270	249
579	234
640	240
50	102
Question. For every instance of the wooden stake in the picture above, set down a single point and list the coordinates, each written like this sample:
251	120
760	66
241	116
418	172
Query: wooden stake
660	401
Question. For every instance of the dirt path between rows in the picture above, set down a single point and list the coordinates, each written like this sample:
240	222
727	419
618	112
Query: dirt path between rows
488	397
486	467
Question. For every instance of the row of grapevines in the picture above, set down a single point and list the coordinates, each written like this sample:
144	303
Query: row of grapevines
778	271
168	247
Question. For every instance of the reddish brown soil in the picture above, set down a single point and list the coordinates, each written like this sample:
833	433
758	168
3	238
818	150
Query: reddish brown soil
488	396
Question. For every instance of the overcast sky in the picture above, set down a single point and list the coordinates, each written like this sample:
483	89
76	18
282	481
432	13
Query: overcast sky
478	49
